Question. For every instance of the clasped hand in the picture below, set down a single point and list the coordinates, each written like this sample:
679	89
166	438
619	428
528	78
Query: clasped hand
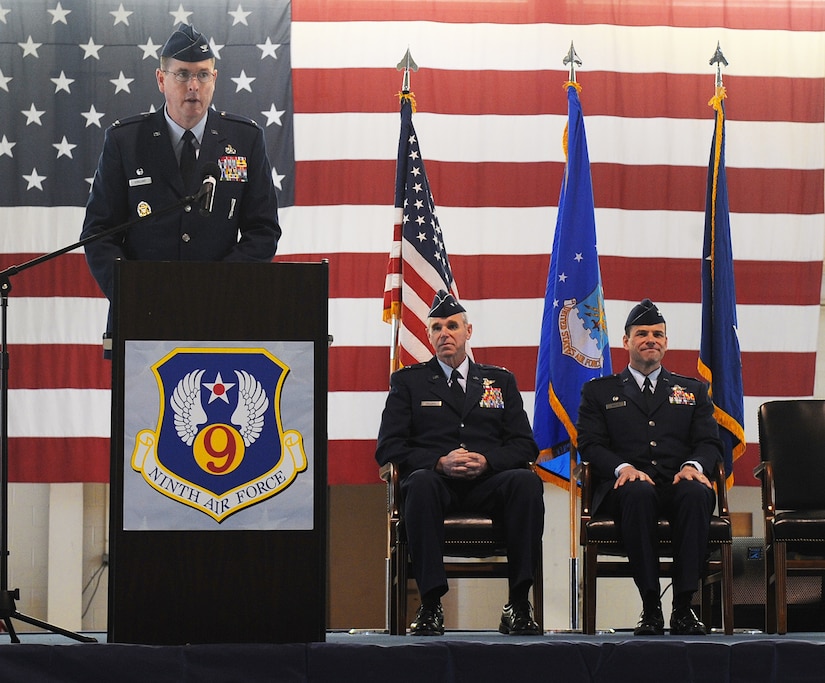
462	464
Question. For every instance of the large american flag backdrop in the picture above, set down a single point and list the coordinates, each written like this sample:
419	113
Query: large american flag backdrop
320	77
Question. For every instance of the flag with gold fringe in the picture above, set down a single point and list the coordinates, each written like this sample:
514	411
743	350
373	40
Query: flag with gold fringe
720	361
574	346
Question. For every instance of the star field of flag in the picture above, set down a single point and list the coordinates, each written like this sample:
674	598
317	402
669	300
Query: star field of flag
69	69
419	220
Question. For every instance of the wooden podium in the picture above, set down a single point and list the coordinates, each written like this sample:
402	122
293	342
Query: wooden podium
218	481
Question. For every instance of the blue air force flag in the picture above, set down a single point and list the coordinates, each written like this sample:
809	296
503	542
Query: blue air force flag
574	345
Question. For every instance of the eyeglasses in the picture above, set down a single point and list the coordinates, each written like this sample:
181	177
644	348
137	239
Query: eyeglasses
186	76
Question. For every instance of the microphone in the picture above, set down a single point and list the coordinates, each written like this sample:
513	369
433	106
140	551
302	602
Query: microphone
210	174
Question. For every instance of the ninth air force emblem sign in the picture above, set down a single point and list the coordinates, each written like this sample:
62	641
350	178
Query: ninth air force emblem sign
219	445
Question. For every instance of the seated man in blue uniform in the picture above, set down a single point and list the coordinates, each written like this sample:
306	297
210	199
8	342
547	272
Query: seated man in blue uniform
651	439
150	162
458	433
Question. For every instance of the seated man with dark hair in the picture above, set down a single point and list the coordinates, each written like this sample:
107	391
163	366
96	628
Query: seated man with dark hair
651	440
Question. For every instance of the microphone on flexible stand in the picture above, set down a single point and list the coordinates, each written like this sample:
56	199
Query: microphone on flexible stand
210	174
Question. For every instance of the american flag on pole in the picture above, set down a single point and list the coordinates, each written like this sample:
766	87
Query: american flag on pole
491	143
419	265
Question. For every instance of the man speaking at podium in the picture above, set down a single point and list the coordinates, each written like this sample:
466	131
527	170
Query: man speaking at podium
152	161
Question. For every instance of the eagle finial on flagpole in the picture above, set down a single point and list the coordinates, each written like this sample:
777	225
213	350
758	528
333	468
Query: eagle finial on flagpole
573	60
718	59
406	64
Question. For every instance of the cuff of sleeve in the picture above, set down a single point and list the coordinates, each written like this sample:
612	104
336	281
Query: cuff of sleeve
620	468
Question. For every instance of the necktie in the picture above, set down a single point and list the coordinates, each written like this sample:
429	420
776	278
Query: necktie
455	387
187	160
647	391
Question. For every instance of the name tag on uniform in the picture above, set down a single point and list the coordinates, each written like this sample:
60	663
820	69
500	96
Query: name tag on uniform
616	404
430	404
135	182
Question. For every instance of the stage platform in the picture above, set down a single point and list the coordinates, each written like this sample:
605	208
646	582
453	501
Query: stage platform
366	657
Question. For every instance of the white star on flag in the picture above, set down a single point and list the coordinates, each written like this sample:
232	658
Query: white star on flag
268	48
59	14
33	115
90	49
239	16
150	50
121	83
180	15
273	116
62	82
121	15
34	180
64	148
92	117
30	47
243	82
5	147
4	81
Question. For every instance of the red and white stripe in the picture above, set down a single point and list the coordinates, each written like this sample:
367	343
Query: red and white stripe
492	71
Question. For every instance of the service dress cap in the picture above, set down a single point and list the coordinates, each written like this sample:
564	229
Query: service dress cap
187	44
644	313
445	305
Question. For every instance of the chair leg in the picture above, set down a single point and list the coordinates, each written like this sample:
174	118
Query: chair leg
392	592
727	589
780	586
398	590
770	589
589	590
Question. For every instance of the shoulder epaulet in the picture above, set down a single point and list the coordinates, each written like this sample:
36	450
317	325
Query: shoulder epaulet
487	366
412	367
604	377
132	119
229	116
686	377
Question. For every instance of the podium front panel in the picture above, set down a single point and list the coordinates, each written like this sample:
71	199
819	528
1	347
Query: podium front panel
219	398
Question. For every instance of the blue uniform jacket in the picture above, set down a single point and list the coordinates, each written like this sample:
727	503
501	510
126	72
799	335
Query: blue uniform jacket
614	427
421	422
137	171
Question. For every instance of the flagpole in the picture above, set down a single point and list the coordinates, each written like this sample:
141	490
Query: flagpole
572	59
718	59
406	65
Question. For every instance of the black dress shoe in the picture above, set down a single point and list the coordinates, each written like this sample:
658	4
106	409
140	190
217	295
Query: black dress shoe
517	620
683	622
651	623
428	621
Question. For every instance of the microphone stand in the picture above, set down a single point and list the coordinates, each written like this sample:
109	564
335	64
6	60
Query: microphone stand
8	610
